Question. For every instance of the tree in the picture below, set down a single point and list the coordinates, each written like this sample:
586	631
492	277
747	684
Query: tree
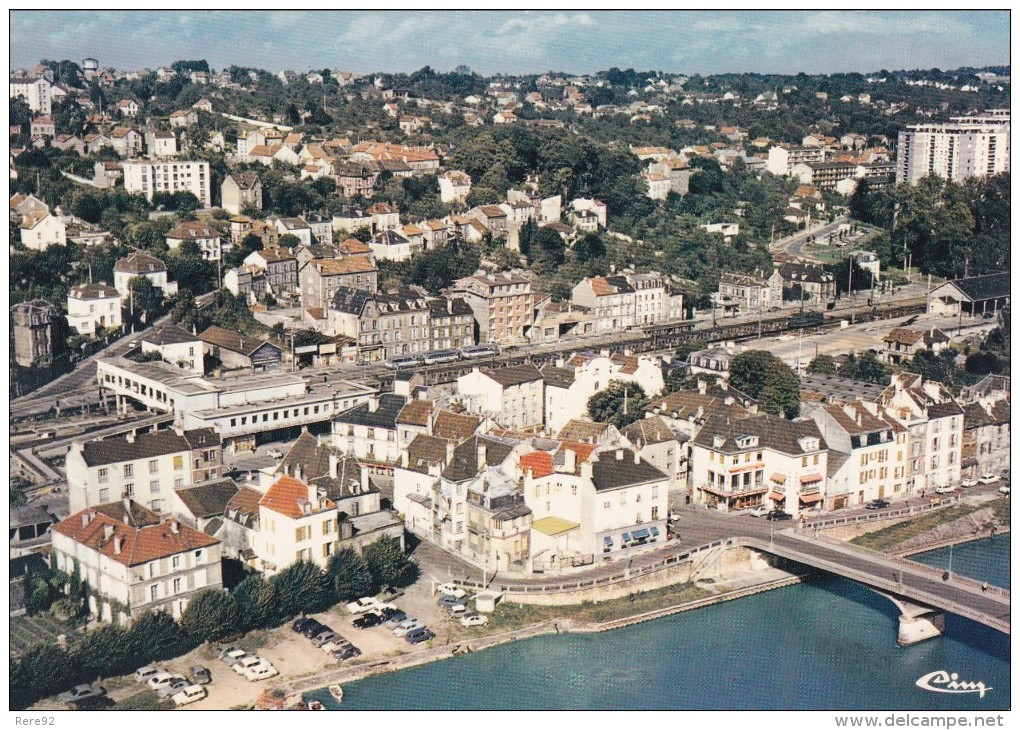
822	365
865	368
619	404
350	575
68	116
941	368
249	245
210	615
769	380
983	363
547	250
257	604
155	636
146	300
302	588
389	565
590	248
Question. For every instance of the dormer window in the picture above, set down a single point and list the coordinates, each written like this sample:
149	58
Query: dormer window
746	442
808	444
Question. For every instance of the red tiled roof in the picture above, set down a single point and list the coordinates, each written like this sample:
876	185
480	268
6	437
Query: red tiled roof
138	544
538	462
286	497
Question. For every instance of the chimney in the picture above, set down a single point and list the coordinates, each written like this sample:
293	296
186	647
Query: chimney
364	478
449	451
107	532
175	527
373	403
85	519
569	460
126	502
702	386
118	545
619	454
637	457
130	437
127	519
482	456
334	464
178	428
297	472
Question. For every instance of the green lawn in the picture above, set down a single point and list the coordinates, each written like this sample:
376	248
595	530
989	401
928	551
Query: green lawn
28	631
889	537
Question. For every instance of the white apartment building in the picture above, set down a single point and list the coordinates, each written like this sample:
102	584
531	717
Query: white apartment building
93	307
142	264
513	396
974	146
35	90
297	523
130	557
42	230
149	177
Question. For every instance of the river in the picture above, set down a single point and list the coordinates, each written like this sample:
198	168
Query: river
828	644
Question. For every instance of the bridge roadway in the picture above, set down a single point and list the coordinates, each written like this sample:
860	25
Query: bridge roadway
917	583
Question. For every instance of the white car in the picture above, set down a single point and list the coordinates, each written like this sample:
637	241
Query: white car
407	627
260	671
988	478
233	656
760	511
474	619
947	489
451	589
192	693
1004	489
275	453
969	482
161	679
146	673
249	661
368	603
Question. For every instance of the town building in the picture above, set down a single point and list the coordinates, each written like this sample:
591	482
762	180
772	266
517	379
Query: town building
236	352
503	304
808	282
36	327
247	281
93	308
141	264
751	293
762	460
150	177
176	346
385	325
369	432
280	267
902	343
241	190
986	424
321	278
973	296
202	235
39	231
451	324
454	186
134	561
965	147
145	467
512	396
35	90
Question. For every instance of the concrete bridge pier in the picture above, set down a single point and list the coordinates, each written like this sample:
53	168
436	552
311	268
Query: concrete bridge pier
917	621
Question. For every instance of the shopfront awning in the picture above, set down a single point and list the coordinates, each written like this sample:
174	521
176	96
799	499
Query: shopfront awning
810	498
625	537
778	478
607	540
778	497
641	534
811	479
655	532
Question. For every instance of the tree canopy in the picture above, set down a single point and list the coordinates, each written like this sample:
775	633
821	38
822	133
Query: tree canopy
769	380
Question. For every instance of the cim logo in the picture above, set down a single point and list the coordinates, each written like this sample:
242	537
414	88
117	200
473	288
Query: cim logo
942	681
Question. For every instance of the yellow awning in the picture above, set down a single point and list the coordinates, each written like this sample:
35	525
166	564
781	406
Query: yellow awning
553	526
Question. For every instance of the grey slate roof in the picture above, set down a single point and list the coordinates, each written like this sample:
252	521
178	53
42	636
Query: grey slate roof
350	301
989	286
169	336
610	472
558	377
514	374
464	464
385	416
425	450
145	446
649	431
772	432
208	499
440	308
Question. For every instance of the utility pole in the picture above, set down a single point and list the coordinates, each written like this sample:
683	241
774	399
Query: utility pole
850	286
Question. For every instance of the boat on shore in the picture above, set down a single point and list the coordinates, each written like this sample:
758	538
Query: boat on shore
336	692
316	705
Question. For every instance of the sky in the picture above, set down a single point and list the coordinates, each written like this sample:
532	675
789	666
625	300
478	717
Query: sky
519	42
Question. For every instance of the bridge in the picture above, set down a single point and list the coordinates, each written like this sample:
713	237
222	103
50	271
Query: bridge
922	594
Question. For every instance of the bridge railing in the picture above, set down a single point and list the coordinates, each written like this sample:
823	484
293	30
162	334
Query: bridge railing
879	515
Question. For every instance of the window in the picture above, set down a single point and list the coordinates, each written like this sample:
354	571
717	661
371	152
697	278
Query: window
803	461
104	495
178	483
154	592
129	490
573	490
175	562
655	513
815	462
177	585
129	470
178	462
198	556
327	527
302	533
154	486
655	491
103	476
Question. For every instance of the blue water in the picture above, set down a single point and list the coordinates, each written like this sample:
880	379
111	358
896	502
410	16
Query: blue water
826	645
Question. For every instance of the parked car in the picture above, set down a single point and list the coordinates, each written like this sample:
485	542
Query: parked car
231	655
408	626
324	638
260	671
777	515
174	686
161	680
300	624
473	619
81	692
338	643
451	589
313	628
989	478
201	675
458	609
447	601
144	674
275	453
418	636
367	604
760	511
348	651
191	693
393	616
876	504
968	482
249	661
946	489
1004	490
367	620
